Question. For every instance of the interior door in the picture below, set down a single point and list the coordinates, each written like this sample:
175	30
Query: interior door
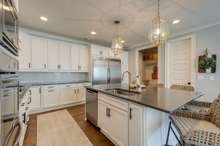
179	62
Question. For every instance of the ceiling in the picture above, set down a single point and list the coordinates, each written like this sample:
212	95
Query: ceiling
76	18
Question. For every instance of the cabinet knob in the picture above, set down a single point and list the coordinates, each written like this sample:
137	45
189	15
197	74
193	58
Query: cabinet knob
130	113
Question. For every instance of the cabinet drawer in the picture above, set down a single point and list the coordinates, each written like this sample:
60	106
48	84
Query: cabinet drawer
113	101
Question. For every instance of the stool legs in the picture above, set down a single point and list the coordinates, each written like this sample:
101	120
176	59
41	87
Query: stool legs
168	135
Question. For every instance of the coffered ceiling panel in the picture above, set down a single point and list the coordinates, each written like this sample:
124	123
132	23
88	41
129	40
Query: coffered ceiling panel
76	18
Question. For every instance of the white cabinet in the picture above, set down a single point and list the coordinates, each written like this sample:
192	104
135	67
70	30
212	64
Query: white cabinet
51	96
35	100
75	57
136	131
84	59
81	93
113	119
38	53
99	51
65	61
25	51
67	94
9	101
111	55
53	53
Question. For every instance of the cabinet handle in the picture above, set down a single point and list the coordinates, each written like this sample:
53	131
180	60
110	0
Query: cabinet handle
108	112
75	91
29	100
50	90
78	91
30	92
29	65
45	66
130	113
24	118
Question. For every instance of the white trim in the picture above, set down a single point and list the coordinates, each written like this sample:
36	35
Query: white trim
193	61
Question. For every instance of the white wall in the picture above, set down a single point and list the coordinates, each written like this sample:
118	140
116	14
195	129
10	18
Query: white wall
209	38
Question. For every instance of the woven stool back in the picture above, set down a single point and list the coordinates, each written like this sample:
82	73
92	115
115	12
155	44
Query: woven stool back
182	87
215	112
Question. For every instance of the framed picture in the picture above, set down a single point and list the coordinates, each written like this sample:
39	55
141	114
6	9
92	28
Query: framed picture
207	64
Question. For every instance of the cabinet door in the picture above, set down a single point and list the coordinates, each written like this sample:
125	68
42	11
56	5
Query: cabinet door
81	93
53	53
104	118
84	59
119	126
35	100
39	53
67	94
111	55
25	51
51	96
65	62
136	125
99	51
75	55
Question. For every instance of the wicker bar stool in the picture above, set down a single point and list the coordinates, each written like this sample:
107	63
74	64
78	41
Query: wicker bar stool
195	127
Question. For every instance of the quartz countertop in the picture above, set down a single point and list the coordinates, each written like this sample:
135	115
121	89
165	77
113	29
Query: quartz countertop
159	98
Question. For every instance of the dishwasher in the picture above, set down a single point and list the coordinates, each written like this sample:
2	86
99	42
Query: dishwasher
92	106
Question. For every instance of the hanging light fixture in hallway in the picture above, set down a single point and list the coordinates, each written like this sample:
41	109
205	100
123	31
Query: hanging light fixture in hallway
159	30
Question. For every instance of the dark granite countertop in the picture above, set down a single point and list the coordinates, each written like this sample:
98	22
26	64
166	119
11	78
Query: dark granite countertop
51	83
159	98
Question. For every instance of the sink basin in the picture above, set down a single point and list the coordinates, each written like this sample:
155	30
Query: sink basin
122	92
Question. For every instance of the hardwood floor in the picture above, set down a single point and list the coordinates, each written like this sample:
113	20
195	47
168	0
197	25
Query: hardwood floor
78	113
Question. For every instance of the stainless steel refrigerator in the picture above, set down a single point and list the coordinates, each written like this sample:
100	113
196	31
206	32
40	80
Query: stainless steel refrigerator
106	71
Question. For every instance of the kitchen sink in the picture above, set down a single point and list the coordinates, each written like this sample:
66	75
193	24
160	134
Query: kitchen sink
122	92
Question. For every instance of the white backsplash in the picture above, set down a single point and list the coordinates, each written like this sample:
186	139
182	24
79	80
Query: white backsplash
33	77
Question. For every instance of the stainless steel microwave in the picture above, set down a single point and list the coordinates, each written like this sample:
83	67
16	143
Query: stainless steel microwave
9	26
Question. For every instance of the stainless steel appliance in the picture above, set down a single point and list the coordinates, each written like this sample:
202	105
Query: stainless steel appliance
10	128
9	26
92	106
10	125
106	71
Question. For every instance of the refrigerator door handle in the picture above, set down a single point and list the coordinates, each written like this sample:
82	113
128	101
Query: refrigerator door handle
109	77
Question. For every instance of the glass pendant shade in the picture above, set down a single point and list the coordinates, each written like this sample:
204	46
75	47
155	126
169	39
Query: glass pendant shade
159	31
117	45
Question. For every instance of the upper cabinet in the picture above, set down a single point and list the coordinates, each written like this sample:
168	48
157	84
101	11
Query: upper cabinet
84	59
65	61
42	54
38	53
25	51
99	51
52	55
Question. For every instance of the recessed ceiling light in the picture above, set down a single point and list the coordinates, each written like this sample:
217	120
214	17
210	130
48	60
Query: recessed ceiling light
122	41
176	21
93	33
43	18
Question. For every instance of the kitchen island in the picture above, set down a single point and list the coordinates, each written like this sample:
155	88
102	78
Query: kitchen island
138	118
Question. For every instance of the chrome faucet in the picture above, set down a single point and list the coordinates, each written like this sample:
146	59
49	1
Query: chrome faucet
129	79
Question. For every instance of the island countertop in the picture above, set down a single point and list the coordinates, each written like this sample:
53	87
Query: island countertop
159	98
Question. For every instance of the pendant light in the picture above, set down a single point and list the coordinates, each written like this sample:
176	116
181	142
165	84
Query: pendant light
159	30
117	42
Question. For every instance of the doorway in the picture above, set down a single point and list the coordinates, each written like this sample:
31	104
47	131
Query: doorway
148	65
180	63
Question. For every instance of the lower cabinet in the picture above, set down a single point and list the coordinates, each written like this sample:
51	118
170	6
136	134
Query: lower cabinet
67	94
113	121
121	121
35	97
50	96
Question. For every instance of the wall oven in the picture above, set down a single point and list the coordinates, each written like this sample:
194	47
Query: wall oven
10	125
9	26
